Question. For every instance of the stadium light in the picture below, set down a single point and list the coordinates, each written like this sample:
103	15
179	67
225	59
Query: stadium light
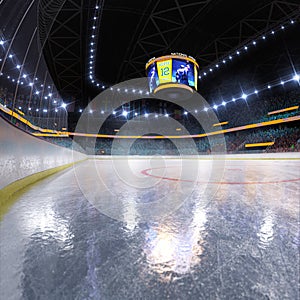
102	112
135	113
125	113
269	86
296	77
18	66
254	43
256	91
244	96
185	112
63	105
167	115
215	106
80	110
233	99
282	82
196	111
224	103
146	115
56	110
114	112
10	56
205	109
1	42
91	111
156	116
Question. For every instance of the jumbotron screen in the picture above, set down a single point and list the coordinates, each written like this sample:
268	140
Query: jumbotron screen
172	69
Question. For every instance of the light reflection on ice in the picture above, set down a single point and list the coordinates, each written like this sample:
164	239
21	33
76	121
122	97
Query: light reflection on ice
172	248
266	231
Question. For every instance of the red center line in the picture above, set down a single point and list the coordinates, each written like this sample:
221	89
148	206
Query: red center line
146	172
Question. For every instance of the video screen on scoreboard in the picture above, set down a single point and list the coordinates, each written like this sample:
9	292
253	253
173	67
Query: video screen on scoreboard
183	72
153	77
171	70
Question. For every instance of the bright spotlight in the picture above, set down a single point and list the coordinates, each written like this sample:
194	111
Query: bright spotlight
114	112
223	103
233	99
215	106
296	77
146	115
282	82
125	113
135	113
63	105
1	43
91	111
256	91
269	86
185	113
244	96
205	109
166	115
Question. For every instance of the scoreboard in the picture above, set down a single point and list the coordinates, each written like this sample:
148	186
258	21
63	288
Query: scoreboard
175	71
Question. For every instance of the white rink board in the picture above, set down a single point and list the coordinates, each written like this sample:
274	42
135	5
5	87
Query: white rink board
22	155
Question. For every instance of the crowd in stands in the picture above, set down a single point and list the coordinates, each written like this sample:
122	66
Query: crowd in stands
254	110
286	139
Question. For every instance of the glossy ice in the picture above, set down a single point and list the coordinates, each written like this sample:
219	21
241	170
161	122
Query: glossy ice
230	236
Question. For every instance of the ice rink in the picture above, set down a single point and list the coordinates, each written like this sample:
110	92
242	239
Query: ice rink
156	228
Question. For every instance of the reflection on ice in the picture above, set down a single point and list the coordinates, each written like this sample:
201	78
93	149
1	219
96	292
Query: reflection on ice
176	247
46	221
266	231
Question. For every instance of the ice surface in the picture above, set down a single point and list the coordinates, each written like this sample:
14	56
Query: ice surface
156	229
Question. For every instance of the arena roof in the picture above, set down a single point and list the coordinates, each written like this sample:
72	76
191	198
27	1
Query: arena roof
128	33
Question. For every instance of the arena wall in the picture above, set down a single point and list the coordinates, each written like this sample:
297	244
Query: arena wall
22	155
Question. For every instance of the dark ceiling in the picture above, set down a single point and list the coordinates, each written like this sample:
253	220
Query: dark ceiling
129	33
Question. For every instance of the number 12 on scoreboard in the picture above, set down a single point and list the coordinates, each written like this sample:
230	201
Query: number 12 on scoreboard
164	71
